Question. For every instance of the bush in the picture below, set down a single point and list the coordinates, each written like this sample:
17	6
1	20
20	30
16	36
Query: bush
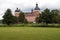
31	25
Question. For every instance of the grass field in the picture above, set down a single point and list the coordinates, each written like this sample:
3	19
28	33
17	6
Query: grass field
29	33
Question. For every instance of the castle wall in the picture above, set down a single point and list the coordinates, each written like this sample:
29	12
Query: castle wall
30	18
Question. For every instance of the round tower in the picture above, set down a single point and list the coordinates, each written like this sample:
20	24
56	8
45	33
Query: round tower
36	10
17	12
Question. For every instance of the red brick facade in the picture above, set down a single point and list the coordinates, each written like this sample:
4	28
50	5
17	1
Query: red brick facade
31	17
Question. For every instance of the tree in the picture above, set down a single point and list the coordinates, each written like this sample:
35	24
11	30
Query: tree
38	19
55	15
22	18
46	16
8	18
49	16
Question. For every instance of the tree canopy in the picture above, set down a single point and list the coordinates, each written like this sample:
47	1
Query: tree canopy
49	16
8	18
21	18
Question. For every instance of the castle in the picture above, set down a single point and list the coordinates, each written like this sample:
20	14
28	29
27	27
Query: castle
30	16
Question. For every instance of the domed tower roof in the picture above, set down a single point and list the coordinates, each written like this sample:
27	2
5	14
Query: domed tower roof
17	10
37	8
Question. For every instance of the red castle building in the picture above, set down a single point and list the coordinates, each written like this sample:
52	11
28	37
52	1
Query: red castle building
30	16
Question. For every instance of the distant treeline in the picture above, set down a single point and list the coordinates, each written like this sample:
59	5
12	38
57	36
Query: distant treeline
32	25
47	16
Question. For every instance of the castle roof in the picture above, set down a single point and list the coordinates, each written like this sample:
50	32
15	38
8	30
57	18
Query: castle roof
17	10
37	8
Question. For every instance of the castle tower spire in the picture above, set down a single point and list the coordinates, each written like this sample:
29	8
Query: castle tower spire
37	8
36	5
17	12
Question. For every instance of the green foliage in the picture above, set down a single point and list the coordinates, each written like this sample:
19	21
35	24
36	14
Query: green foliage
45	16
32	25
48	16
55	16
38	19
22	18
8	18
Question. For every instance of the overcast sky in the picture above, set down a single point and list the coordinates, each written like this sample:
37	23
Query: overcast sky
27	5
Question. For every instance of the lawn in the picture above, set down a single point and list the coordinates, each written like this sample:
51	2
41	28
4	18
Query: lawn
29	33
